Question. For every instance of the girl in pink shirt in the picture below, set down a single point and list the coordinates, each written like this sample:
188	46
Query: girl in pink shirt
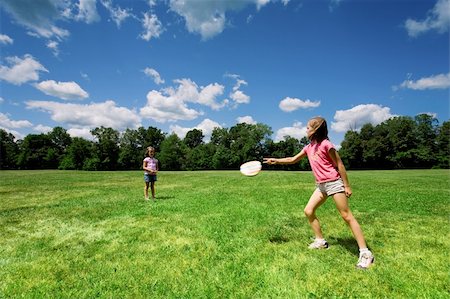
151	167
331	180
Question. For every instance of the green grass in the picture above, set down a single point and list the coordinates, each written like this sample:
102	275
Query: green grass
218	234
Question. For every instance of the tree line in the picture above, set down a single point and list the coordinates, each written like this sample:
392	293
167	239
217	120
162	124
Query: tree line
400	142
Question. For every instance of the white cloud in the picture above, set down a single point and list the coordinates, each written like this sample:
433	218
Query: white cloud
42	129
206	126
237	95
84	132
163	107
21	70
208	18
170	104
291	104
85	76
62	90
6	122
39	16
297	131
208	95
356	117
152	27
438	18
204	17
53	45
92	115
441	81
5	40
179	130
246	119
87	11
117	14
261	3
16	134
152	73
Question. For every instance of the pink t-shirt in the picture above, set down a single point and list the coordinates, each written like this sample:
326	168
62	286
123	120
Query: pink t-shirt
320	161
151	163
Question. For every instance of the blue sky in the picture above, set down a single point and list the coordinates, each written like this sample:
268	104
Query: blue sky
178	65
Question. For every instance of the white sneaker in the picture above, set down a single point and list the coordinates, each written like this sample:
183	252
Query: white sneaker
318	244
365	260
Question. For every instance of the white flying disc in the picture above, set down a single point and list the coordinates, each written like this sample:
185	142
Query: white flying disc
251	168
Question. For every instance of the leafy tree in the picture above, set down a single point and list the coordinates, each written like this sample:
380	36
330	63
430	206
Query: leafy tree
172	153
200	157
220	136
224	158
241	143
107	147
193	138
131	148
8	150
400	142
92	164
37	152
150	137
60	141
133	144
375	147
426	133
248	142
401	136
79	151
443	145
351	150
288	147
198	154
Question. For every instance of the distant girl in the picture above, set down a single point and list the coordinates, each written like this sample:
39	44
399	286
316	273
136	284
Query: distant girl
150	166
331	180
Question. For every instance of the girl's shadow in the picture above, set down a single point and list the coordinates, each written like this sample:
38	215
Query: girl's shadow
348	243
167	197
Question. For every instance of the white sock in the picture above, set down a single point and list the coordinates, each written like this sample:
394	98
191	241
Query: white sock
364	250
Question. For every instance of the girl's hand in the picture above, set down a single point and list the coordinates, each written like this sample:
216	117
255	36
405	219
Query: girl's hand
270	161
348	191
151	171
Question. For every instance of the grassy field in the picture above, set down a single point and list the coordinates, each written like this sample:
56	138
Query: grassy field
218	234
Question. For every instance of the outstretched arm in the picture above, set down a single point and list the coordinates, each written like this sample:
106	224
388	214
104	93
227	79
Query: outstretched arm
287	160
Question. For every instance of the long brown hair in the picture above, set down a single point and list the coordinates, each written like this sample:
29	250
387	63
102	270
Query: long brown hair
319	129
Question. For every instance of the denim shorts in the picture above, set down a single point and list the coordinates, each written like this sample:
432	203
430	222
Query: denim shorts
150	177
330	188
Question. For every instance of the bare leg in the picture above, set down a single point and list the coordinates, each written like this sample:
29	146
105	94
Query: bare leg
146	190
153	189
315	201
342	205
